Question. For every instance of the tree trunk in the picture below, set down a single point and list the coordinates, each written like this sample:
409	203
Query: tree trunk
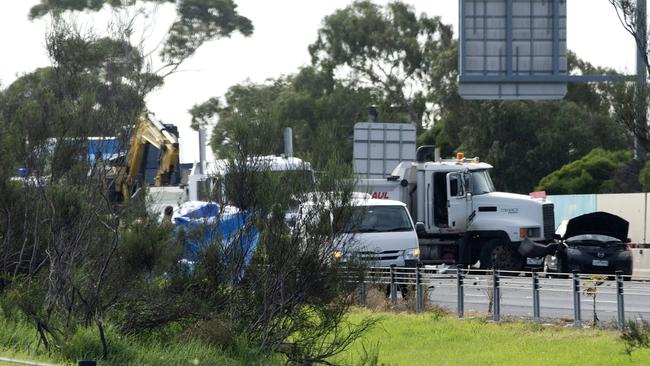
102	337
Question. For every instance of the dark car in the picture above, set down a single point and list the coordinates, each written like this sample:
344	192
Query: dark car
593	243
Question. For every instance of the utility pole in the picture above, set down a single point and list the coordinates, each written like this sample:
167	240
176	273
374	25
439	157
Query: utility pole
641	72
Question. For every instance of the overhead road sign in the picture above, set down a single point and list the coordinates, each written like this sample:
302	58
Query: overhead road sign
513	49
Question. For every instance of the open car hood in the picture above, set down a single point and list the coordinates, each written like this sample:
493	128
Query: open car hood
600	223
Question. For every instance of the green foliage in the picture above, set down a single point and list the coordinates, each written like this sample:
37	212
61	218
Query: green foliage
591	174
202	113
249	118
59	6
321	111
406	339
644	177
197	22
526	140
147	246
200	21
636	335
389	48
17	341
93	89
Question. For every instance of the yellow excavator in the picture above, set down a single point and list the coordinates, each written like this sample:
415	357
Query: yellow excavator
152	159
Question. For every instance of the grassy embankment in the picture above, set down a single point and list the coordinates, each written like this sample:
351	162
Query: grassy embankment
430	338
17	340
435	339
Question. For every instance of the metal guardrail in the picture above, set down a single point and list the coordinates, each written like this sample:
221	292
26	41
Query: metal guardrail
494	281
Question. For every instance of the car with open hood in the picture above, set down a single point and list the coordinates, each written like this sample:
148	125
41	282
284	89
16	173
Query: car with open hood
592	243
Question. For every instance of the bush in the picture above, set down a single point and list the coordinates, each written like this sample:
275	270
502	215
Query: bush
636	335
216	332
593	173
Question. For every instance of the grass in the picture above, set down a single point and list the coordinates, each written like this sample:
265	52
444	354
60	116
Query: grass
399	339
431	338
18	339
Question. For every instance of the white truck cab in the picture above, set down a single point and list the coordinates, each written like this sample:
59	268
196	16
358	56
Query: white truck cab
460	217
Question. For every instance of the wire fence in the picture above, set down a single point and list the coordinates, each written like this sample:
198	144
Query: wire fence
526	290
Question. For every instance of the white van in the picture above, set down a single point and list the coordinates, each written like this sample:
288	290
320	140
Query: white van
382	233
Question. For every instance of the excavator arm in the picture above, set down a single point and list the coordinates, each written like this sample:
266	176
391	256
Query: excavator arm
148	134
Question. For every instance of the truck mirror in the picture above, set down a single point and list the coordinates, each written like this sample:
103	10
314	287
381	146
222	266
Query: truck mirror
420	228
557	236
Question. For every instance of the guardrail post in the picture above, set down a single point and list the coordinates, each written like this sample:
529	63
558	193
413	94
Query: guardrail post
418	290
362	293
577	313
393	286
461	293
620	300
496	296
535	277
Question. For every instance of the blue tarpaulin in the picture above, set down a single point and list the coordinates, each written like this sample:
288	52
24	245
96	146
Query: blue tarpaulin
206	223
104	148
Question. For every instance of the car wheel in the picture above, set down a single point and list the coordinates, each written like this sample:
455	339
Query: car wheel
562	267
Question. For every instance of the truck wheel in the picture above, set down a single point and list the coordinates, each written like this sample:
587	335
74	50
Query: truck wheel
496	254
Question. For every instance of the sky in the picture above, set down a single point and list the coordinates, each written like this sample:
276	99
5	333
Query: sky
283	31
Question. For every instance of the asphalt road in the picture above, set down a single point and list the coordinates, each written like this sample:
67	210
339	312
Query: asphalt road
556	297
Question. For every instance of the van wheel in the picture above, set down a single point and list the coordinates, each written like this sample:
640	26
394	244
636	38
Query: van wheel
498	255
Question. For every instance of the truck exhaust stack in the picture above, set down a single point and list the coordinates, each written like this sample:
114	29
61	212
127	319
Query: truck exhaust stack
288	142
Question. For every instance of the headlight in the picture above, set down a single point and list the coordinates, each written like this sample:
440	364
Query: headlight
410	254
530	232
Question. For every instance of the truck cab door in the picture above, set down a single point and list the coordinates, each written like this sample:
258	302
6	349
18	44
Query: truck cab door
457	202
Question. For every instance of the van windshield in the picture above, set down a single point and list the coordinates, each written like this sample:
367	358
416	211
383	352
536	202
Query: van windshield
379	219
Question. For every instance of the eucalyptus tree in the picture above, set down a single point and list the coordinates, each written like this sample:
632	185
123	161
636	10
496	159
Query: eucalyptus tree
65	251
389	48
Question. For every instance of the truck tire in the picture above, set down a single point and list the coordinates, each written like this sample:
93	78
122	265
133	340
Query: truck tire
498	255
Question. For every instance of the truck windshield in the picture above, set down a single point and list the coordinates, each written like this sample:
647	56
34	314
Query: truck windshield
380	219
480	182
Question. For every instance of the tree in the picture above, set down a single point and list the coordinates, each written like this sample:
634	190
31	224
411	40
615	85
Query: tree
293	297
198	21
61	229
322	112
390	49
593	173
274	280
65	243
632	99
526	140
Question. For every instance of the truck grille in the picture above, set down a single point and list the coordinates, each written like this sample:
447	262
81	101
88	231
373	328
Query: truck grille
549	220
